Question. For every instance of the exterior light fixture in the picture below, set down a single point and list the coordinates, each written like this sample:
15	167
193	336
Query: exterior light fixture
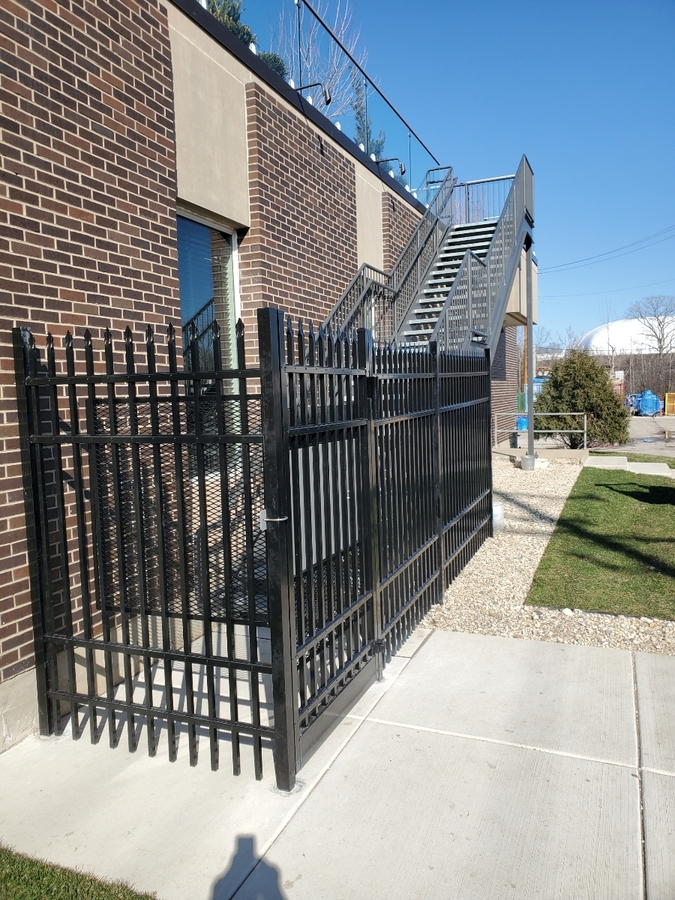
338	126
326	93
253	49
391	159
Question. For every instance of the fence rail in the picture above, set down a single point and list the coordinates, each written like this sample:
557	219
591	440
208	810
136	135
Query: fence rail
514	430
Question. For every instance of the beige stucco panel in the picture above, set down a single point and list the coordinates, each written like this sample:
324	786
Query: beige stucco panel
18	709
210	109
516	310
369	244
211	130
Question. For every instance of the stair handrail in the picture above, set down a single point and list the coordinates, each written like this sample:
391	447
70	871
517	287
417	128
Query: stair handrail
396	289
450	329
482	294
413	263
345	313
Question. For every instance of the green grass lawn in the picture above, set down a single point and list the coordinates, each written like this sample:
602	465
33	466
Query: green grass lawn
23	878
613	549
640	457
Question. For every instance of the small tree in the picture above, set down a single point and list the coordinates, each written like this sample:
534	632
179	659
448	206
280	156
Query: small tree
578	384
363	130
229	13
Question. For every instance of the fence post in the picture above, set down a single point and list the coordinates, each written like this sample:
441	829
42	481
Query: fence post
280	588
436	454
371	517
488	365
36	552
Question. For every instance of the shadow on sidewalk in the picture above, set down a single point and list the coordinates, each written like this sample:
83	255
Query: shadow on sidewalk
243	865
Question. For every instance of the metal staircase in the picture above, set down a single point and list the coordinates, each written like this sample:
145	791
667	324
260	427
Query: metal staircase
428	304
452	282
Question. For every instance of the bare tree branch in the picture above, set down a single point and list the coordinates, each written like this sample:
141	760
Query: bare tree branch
656	315
320	57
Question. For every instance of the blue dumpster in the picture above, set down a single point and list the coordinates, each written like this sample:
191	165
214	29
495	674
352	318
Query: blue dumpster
648	404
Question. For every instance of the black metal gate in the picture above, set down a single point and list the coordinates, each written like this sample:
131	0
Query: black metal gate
143	498
169	598
378	490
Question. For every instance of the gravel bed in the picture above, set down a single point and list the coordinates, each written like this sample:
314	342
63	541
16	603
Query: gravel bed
488	595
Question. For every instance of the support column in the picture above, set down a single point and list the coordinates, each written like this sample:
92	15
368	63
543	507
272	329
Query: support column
528	461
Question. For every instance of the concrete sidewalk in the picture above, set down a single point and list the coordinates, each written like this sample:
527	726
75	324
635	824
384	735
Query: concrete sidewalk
482	767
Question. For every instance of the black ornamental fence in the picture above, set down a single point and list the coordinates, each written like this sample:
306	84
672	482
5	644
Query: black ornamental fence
228	557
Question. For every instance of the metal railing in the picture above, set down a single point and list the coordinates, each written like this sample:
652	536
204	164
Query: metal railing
479	201
419	253
539	431
318	55
363	301
474	309
379	301
198	336
228	569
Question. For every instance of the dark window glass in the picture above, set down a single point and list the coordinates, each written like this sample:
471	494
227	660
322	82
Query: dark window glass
195	272
206	288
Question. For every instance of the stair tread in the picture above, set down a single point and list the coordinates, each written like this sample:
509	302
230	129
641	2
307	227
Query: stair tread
423	318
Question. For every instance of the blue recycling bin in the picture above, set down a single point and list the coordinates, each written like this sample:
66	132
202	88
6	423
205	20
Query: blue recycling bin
648	404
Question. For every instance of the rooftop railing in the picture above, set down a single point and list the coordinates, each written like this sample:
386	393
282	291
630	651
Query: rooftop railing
320	58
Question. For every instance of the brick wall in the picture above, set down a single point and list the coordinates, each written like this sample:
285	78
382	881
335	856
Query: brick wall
300	252
399	220
87	210
505	378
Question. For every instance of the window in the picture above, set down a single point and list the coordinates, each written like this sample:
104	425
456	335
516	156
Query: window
206	280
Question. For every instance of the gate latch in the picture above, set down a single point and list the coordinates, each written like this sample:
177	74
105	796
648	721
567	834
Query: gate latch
264	520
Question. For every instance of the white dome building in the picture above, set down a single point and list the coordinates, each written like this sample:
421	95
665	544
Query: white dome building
622	336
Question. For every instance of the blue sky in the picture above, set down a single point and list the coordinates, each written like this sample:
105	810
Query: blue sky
586	90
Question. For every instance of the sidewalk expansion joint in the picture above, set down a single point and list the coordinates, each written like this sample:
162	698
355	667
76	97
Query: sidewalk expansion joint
489	740
309	787
638	747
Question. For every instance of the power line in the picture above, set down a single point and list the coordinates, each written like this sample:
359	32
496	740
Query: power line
615	291
614	254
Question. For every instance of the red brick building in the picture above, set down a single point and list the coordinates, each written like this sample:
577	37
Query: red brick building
140	138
